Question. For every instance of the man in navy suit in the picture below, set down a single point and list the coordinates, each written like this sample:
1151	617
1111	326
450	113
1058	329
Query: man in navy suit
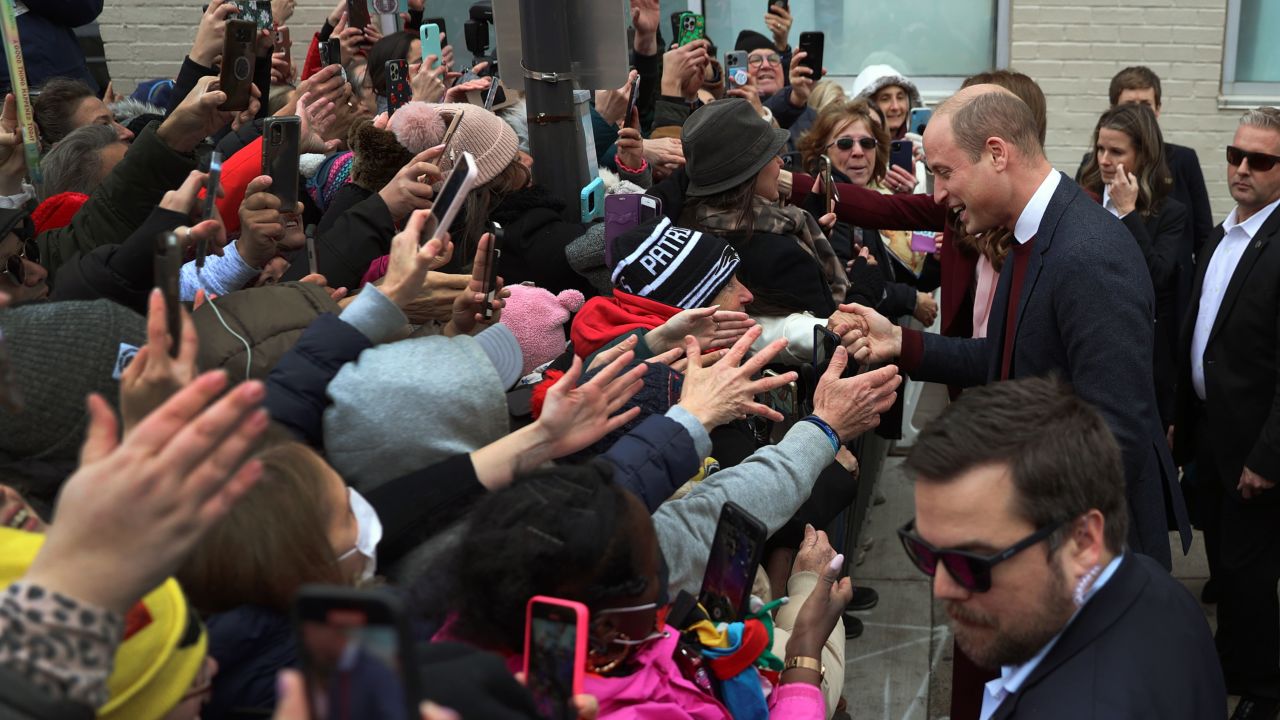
1021	523
1074	297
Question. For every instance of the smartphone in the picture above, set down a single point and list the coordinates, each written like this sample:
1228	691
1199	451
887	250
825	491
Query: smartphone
448	134
282	41
623	211
900	154
313	263
358	13
828	182
398	91
784	399
792	161
693	26
495	94
675	24
265	20
429	35
331	52
632	97
813	43
555	653
356	654
591	201
735	70
731	567
919	119
825	343
210	203
784	4
452	195
924	241
167	266
439	22
236	78
491	268
388	12
281	140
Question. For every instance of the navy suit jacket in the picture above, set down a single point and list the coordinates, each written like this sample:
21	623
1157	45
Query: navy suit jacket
1139	649
1086	314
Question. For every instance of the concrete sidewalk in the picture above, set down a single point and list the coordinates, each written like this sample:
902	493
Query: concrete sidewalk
900	669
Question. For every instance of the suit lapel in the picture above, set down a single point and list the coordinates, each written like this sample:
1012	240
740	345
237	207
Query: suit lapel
1104	610
1248	260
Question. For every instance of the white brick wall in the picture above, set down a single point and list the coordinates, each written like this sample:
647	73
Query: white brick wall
1072	47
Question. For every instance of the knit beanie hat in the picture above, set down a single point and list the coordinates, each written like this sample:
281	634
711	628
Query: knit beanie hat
163	648
489	139
419	125
673	265
378	155
59	352
750	40
332	175
537	319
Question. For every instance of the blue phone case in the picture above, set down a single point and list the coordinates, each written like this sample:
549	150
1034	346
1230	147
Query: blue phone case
429	35
592	200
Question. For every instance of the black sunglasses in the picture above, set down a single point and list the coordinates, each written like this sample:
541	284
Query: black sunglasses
14	267
971	570
1261	162
846	143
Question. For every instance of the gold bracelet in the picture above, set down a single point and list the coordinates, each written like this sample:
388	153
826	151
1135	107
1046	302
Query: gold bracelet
806	663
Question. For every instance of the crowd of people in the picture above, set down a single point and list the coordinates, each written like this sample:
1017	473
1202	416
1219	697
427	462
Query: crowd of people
341	395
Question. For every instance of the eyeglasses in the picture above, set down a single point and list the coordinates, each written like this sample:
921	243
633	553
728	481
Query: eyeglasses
15	267
1261	162
846	143
970	570
758	60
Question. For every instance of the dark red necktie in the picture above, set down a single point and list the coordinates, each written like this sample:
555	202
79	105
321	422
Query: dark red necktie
1021	253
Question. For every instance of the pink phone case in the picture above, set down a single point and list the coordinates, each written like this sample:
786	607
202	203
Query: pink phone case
580	650
924	242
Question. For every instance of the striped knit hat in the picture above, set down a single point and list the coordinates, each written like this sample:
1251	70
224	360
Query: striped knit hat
673	265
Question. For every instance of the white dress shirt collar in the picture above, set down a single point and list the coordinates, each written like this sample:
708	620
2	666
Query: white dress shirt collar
1029	221
1253	224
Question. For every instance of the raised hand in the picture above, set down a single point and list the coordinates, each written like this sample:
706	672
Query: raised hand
134	509
265	227
207	47
468	308
711	326
575	416
153	376
725	391
852	406
198	116
410	261
411	189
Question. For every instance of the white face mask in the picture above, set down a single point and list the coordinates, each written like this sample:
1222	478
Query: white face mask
368	534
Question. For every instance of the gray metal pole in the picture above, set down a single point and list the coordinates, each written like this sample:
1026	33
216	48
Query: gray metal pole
555	137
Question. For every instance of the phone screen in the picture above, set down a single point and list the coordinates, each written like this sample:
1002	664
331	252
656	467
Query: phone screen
825	343
352	665
167	266
552	661
731	568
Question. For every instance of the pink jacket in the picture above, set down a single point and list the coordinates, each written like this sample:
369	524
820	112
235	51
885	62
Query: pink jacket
659	692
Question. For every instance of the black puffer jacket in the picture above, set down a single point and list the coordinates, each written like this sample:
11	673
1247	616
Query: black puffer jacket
535	235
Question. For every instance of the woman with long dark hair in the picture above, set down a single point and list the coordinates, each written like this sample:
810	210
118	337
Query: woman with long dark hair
1128	174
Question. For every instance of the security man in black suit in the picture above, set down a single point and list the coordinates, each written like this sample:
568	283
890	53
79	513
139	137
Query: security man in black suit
1228	414
1021	522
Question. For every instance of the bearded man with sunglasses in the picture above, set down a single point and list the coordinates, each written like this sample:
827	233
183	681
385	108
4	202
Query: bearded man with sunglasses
1021	521
1228	412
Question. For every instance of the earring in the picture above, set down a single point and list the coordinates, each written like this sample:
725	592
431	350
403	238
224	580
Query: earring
1085	584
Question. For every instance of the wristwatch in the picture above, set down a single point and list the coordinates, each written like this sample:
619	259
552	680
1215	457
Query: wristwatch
806	663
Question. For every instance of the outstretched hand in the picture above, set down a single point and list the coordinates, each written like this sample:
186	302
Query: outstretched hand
711	326
469	306
725	391
154	376
868	335
575	416
852	406
134	509
409	263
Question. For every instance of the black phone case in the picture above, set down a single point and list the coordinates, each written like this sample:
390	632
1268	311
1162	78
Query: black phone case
358	13
168	263
281	146
236	77
900	151
331	52
398	91
813	43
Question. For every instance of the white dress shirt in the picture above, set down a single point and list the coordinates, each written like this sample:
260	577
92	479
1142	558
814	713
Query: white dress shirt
1029	221
1235	239
1012	676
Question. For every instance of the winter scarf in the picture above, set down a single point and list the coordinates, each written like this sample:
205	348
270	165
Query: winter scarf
782	220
